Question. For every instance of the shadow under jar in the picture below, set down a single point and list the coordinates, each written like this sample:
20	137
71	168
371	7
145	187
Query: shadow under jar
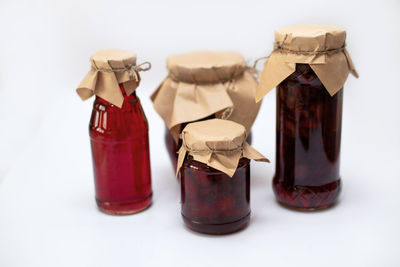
121	160
308	137
213	202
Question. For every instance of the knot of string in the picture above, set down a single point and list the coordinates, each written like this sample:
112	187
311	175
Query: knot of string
133	70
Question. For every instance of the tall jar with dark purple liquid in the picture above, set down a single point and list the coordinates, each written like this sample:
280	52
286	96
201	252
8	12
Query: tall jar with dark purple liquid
308	66
308	133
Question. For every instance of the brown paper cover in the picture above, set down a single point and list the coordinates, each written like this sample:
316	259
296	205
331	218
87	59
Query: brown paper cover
109	68
320	46
203	83
218	143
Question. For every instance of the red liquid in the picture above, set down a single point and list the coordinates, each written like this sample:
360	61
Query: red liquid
121	159
173	148
308	142
212	202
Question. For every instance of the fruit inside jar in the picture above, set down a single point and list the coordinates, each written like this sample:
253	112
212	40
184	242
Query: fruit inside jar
213	202
308	137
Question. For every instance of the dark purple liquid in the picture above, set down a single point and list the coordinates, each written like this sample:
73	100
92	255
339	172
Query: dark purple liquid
308	142
212	202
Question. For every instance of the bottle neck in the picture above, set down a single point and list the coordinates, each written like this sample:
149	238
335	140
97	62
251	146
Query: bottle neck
305	75
131	98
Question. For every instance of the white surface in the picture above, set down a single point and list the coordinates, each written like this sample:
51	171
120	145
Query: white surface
48	216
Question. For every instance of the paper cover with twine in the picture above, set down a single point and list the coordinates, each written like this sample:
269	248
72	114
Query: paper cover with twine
320	46
218	143
109	68
204	83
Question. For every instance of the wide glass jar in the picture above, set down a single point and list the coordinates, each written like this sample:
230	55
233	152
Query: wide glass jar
121	159
203	85
308	133
212	202
118	132
214	172
308	66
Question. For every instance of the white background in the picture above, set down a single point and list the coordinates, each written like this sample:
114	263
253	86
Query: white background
48	216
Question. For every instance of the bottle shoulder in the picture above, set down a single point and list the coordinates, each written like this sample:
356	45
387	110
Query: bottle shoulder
303	75
108	120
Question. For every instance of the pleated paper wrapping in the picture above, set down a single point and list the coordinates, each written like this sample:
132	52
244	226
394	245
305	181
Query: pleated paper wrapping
201	84
218	143
109	68
320	46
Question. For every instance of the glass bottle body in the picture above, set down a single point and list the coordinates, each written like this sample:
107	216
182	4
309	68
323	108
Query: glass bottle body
213	202
308	137
121	158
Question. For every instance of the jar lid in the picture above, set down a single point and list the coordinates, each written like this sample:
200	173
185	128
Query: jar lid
197	82
320	46
214	134
110	68
206	66
218	143
113	59
310	38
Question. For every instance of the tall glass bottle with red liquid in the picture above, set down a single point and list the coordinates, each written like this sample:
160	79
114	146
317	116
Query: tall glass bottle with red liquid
308	66
118	131
121	160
